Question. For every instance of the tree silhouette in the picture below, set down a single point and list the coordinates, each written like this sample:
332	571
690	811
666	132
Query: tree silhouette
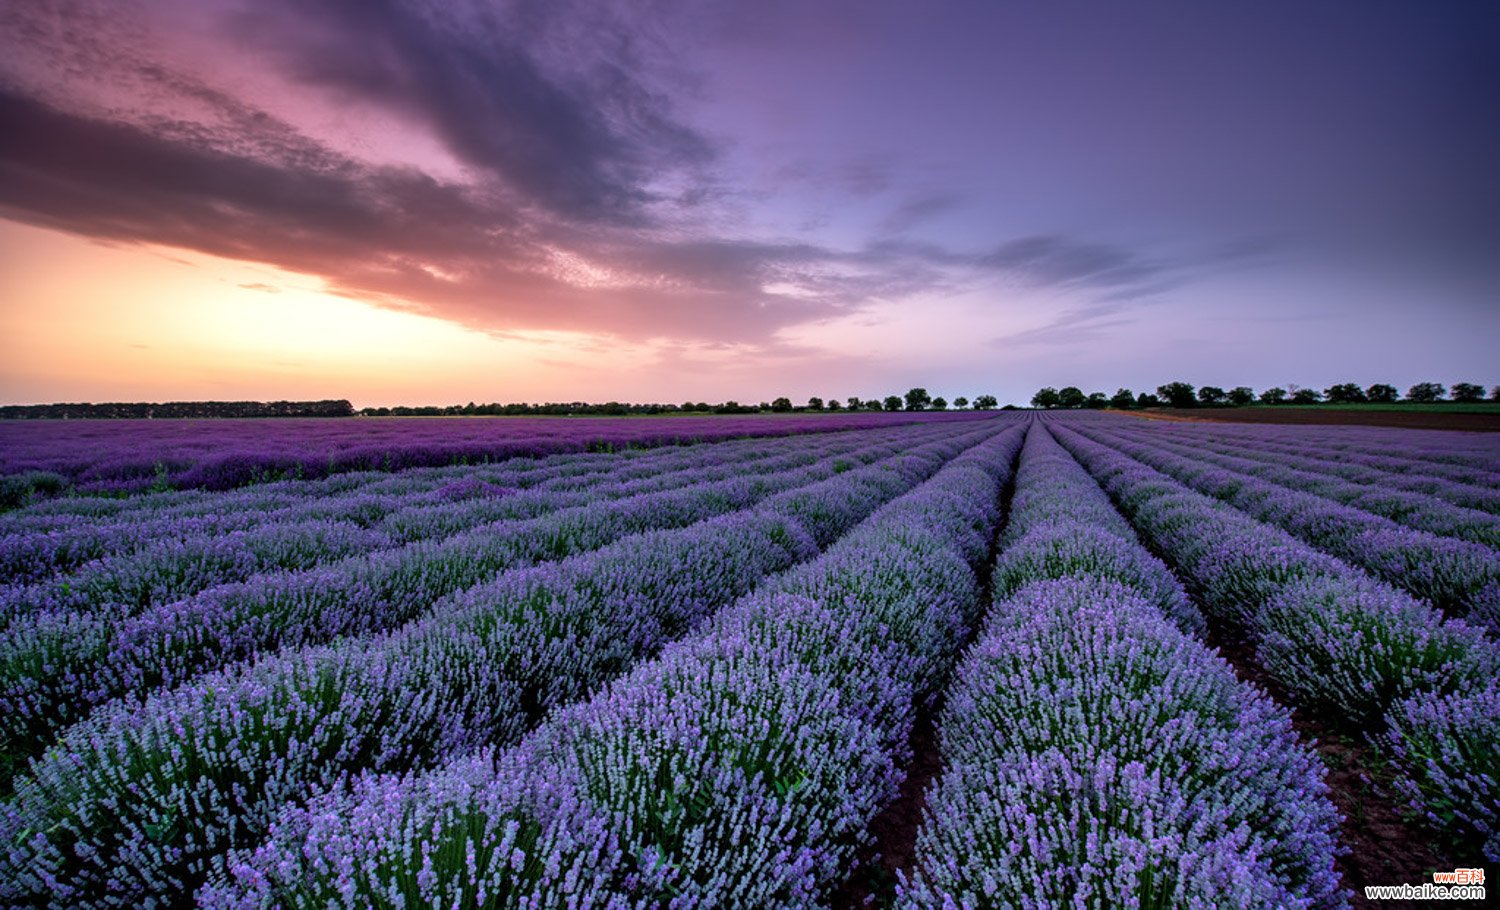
1426	392
1045	398
1344	393
1467	391
1177	394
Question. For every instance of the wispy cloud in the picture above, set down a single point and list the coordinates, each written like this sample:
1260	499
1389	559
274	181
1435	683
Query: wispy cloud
918	210
1107	285
582	200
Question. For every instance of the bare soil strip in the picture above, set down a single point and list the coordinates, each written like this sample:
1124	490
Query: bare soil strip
873	881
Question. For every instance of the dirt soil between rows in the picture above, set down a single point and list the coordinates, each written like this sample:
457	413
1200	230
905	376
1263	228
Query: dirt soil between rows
1348	417
1384	844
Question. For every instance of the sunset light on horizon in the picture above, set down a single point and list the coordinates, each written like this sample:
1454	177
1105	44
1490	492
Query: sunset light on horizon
402	203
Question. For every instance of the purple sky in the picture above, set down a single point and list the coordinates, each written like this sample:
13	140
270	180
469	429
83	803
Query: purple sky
659	200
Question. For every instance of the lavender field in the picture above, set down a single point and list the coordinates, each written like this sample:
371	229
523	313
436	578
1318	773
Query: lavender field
961	660
128	456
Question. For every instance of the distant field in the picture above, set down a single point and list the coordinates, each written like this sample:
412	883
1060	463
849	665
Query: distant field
130	456
1435	407
1481	417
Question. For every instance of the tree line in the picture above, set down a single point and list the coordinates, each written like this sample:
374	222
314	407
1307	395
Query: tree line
142	410
1184	395
916	399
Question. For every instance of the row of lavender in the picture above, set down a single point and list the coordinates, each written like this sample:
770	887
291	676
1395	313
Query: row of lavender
1431	453
1371	659
1095	753
1422	511
1377	475
139	803
156	554
1427	502
67	655
740	769
1460	576
61	535
132	455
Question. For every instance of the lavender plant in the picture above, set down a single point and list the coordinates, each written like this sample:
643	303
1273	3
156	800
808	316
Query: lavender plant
54	667
1097	756
739	769
138	804
1455	575
1443	749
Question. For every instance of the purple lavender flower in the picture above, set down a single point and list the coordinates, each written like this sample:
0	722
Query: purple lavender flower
141	802
740	768
1443	749
1098	756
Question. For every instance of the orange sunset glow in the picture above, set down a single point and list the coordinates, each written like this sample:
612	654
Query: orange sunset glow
501	202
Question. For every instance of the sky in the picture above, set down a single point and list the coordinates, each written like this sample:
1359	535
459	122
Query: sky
403	202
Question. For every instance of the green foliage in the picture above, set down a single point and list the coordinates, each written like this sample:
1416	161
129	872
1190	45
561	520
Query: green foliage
22	489
1467	391
1273	395
1426	391
1045	398
1177	394
1381	392
917	399
1344	393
